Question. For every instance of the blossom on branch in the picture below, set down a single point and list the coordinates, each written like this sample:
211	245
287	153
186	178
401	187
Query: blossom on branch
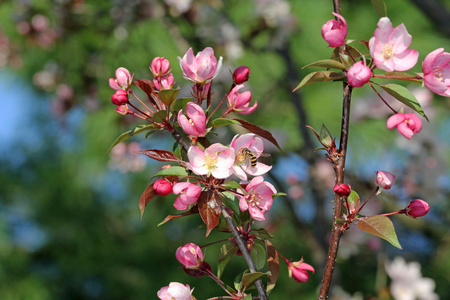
298	270
189	194
190	256
122	81
240	102
335	32
175	291
196	124
201	68
359	74
258	198
385	179
216	160
436	69
417	208
407	124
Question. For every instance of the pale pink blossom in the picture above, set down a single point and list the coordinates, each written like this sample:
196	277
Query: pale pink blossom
417	208
190	256
196	124
385	179
164	82
122	81
359	74
216	160
335	32
120	97
258	198
175	291
160	66
241	74
162	187
407	124
389	47
246	146
298	270
436	69
201	68
189	194
240	102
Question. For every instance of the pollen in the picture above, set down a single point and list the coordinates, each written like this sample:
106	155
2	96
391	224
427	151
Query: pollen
210	159
388	51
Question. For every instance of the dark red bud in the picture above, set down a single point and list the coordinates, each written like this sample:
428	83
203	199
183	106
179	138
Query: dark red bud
342	190
120	97
241	74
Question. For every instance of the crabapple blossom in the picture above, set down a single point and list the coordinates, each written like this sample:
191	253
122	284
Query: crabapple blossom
163	82
359	74
298	270
216	160
160	66
162	187
436	69
241	74
258	198
122	81
335	32
175	291
385	179
189	194
342	190
242	164
196	124
120	97
202	68
190	256
240	102
417	208
407	124
124	110
389	47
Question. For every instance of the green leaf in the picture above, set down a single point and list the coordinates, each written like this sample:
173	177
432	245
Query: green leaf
225	254
176	170
403	95
178	104
249	278
349	50
160	116
126	135
221	122
229	199
380	226
168	96
380	7
258	255
327	63
263	233
319	76
232	185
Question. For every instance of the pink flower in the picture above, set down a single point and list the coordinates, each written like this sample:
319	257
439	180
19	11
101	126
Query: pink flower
189	194
201	68
258	198
196	124
175	291
240	102
216	160
407	124
335	32
241	74
162	187
122	81
417	208
436	69
124	110
298	270
385	179
342	190
190	256
120	97
160	66
248	147
163	82
359	74
389	47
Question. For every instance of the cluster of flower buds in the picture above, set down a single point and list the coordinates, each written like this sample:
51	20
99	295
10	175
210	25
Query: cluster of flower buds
163	79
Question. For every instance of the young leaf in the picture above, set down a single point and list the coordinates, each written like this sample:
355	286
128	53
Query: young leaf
168	96
179	104
209	208
192	211
226	253
230	201
380	7
319	76
249	278
349	50
273	264
221	122
232	185
146	85
327	63
380	226
259	131
145	198
176	170
160	155
130	133
258	255
405	96
263	233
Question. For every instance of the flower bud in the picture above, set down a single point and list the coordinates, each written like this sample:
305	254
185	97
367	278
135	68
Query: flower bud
190	256
124	110
335	32
162	187
175	291
160	66
297	270
241	74
385	179
342	190
120	97
417	208
359	74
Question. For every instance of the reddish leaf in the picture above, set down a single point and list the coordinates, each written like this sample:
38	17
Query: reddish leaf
146	196
209	208
192	211
146	85
259	131
273	264
380	226
161	155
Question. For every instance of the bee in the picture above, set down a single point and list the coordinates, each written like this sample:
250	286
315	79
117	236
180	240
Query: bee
246	155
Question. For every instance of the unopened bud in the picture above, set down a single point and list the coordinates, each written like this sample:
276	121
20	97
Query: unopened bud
120	97
162	187
342	190
417	208
241	74
385	179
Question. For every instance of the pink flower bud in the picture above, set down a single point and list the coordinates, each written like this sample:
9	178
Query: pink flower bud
407	124
190	256
189	194
175	291
241	74
417	208
124	110
342	190
160	66
164	82
196	124
201	68
359	74
436	69
335	32
122	81
120	97
298	270
240	103
162	187
385	179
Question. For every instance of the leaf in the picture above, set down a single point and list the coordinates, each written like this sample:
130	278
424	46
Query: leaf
403	95
319	76
209	208
221	122
168	96
380	226
178	104
176	170
249	278
380	7
230	201
273	265
160	116
327	63
225	254
146	85
231	185
259	131
160	155
192	211
349	50
126	135
263	233
402	75
145	198
258	255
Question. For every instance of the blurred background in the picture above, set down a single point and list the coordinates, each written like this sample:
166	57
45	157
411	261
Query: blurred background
70	227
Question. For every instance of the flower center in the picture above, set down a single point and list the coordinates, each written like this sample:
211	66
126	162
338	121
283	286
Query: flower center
254	199
439	73
210	160
388	51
